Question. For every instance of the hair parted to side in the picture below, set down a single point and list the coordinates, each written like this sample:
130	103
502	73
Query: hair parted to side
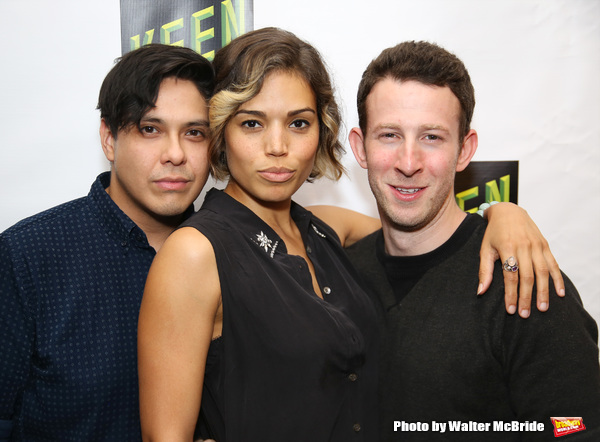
241	68
131	87
426	63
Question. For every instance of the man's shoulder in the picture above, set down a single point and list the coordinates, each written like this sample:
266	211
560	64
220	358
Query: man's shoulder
48	218
368	243
74	212
365	249
46	228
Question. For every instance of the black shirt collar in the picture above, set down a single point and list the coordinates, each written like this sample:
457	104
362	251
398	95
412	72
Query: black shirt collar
219	202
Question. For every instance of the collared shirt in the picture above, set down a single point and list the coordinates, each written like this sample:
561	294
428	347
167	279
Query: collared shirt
71	283
289	365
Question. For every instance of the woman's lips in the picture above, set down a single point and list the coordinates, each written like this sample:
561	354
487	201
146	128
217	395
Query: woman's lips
276	174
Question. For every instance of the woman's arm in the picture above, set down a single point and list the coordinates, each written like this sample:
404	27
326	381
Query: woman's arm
349	225
511	232
179	315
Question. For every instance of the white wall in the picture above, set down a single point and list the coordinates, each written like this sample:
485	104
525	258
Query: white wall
534	65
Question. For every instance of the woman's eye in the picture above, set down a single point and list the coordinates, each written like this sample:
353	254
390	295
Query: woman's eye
299	124
251	124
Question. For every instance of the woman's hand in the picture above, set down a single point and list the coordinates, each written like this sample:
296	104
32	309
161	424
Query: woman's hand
512	233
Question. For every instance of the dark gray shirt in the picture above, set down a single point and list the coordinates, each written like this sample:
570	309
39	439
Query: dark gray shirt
448	355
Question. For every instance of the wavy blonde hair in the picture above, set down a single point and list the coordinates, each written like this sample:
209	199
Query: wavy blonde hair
241	68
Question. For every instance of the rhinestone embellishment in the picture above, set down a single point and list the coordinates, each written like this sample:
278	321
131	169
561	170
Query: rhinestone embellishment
264	242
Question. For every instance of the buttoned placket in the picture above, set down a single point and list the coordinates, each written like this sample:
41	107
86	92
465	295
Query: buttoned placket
352	377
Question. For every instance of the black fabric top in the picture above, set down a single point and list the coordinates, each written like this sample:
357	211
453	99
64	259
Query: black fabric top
71	283
289	366
450	356
403	272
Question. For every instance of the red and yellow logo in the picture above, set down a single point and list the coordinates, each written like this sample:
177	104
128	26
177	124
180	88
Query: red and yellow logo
567	425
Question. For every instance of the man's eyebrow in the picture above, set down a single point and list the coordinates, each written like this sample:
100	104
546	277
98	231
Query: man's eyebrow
395	126
384	126
434	127
151	120
155	120
203	123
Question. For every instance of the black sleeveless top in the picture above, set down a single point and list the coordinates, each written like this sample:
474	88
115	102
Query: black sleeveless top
289	365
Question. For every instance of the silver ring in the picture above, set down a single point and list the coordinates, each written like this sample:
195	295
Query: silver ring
510	265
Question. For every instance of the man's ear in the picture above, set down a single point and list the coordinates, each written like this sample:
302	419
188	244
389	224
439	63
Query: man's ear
108	141
469	147
357	143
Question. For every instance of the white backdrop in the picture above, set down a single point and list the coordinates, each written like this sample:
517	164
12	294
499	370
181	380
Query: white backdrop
534	63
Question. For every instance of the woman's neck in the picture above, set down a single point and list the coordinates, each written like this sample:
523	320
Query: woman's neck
276	214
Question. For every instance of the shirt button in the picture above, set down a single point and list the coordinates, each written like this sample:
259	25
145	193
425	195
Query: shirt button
353	377
326	290
308	249
356	427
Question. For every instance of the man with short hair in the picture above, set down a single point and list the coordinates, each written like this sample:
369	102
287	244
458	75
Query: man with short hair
447	356
72	277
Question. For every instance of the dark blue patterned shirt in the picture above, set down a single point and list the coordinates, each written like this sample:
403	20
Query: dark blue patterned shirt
71	283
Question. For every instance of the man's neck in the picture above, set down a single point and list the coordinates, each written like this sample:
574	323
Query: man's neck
156	229
431	236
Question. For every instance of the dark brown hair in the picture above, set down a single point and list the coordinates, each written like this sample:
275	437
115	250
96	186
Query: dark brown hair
426	63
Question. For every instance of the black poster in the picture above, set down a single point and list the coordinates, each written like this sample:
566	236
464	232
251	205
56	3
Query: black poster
485	181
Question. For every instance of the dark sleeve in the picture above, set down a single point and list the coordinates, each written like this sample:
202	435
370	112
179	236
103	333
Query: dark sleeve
551	365
5	430
16	337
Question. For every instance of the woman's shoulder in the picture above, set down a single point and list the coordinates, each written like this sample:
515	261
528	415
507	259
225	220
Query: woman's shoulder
186	246
202	217
349	225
